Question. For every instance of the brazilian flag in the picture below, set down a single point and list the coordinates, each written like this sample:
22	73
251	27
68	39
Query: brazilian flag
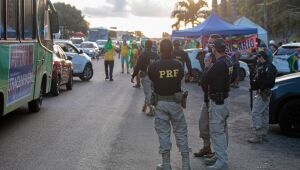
293	62
108	45
130	53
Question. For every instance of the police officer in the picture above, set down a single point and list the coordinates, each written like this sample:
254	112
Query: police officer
166	75
144	60
264	80
218	80
183	57
204	117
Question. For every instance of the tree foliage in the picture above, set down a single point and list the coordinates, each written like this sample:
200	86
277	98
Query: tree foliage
189	11
283	16
70	19
138	33
166	35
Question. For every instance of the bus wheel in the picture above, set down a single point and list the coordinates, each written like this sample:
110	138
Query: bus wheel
35	105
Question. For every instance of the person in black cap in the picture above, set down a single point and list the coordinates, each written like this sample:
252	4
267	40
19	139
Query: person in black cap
166	75
218	81
144	60
183	57
204	116
263	81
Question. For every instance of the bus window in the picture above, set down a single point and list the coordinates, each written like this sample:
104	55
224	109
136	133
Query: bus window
11	19
28	19
1	20
41	18
44	25
47	32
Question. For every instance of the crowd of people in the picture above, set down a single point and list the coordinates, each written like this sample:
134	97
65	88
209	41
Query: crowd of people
161	78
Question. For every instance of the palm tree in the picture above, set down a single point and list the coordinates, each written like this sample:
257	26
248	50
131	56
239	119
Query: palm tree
181	17
176	25
189	11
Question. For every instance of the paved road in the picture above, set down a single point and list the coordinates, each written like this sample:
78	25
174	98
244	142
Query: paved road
99	125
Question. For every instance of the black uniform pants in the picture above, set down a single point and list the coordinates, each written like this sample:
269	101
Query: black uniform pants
109	65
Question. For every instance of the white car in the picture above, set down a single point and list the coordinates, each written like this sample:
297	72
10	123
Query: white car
197	71
101	43
62	41
82	64
77	41
280	59
90	48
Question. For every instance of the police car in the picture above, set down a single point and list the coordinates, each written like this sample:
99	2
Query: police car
197	71
285	104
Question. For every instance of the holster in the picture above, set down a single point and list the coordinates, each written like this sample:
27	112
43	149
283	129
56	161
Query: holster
265	94
180	98
184	99
154	99
218	98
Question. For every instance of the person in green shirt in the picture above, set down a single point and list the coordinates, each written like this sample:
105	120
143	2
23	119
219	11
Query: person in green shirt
124	56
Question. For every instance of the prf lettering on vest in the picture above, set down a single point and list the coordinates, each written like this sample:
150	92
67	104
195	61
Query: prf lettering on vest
168	73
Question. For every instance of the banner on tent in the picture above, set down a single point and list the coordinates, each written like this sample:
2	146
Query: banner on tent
243	44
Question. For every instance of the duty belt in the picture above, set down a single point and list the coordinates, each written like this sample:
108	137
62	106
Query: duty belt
216	95
171	98
218	98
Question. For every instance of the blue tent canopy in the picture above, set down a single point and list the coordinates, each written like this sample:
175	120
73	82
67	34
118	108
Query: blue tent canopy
214	25
261	32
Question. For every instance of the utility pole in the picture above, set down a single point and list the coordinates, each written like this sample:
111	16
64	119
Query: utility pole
62	31
234	13
265	15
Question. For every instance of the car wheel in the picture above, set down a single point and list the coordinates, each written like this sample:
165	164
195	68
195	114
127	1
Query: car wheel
196	75
35	105
69	85
242	74
88	73
55	86
289	118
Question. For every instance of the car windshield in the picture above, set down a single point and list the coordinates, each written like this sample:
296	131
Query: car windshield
86	45
286	50
101	42
76	41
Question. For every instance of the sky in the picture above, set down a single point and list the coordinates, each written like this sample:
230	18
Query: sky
152	17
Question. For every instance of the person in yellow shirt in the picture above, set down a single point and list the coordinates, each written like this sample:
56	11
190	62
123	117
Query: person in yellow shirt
124	56
109	59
